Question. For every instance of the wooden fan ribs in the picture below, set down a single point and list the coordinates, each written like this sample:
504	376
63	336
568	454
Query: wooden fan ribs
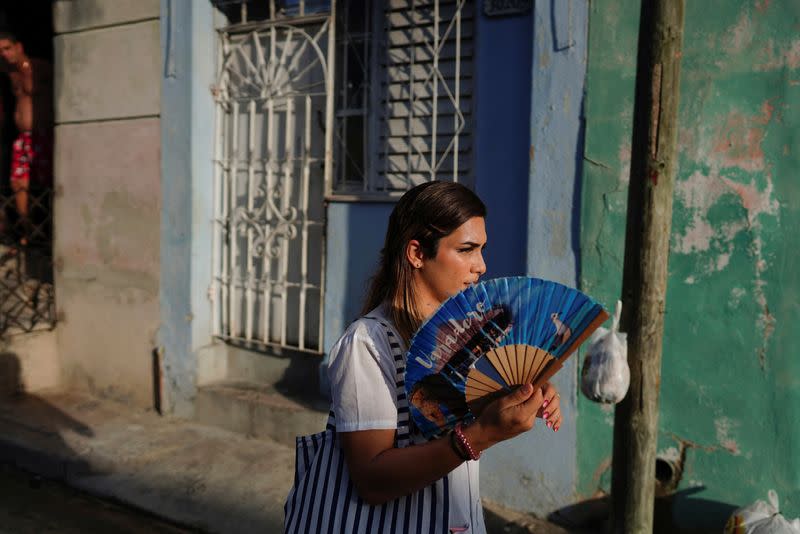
479	381
494	360
515	364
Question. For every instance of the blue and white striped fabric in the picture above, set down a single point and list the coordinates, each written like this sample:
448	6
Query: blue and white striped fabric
323	498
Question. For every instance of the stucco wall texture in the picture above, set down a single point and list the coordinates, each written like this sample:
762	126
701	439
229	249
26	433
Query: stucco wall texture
107	206
730	392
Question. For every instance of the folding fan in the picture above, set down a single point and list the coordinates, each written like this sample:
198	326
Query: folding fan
488	339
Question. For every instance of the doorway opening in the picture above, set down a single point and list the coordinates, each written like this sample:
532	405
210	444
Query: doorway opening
27	298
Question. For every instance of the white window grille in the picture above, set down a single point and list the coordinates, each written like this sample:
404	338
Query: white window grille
274	154
399	116
404	98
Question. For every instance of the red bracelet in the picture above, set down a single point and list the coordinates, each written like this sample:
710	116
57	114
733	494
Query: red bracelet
462	439
460	451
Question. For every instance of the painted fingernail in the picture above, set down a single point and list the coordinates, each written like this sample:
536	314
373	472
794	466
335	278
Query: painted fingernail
545	403
549	424
546	415
556	429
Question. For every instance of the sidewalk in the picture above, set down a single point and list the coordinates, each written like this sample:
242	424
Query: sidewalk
199	476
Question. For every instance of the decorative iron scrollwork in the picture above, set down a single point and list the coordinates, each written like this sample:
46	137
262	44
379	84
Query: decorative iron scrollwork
27	296
266	229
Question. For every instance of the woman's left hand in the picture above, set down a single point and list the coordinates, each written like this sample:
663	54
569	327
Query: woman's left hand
551	407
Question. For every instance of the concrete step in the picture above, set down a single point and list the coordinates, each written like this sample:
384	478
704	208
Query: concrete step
261	411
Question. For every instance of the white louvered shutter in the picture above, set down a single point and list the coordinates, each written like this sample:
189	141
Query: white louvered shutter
425	103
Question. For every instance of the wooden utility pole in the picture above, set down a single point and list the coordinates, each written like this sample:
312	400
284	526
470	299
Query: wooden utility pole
644	285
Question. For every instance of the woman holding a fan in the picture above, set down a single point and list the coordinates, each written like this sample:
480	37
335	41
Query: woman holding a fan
433	249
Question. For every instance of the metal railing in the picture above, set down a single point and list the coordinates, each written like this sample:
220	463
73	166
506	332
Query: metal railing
273	158
404	99
27	296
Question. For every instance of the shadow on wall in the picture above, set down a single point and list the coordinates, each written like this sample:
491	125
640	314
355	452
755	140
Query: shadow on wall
28	423
301	381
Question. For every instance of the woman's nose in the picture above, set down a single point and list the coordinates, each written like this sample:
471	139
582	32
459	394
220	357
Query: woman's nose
480	266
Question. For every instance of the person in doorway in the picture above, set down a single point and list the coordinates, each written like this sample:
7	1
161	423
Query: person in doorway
433	249
32	150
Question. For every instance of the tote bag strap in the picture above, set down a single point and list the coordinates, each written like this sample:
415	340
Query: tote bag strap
403	433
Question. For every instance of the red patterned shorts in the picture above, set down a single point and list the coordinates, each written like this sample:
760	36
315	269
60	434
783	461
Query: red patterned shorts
32	160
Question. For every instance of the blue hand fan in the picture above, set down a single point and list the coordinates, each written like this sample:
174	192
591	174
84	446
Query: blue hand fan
489	338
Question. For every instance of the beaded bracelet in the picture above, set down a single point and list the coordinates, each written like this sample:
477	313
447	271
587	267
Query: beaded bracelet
460	451
462	439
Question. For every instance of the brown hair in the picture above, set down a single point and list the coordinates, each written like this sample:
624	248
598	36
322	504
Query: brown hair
7	35
427	213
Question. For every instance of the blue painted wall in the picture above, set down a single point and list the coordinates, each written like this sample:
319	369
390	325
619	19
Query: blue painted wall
501	129
187	41
355	237
538	220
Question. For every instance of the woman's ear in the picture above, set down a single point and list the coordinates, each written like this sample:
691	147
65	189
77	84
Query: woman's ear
414	253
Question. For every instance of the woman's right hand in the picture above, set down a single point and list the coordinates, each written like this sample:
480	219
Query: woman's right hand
381	472
505	417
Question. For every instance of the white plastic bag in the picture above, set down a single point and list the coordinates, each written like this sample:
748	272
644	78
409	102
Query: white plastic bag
761	518
605	376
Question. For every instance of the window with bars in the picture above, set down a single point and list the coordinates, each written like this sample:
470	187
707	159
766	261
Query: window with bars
403	103
403	95
274	139
351	100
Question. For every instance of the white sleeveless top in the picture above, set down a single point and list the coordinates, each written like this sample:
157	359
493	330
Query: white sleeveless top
362	378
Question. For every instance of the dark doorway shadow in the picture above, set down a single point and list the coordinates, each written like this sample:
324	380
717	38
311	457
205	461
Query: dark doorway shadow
26	259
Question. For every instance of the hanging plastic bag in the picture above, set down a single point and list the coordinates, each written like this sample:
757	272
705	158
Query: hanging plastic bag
605	376
761	518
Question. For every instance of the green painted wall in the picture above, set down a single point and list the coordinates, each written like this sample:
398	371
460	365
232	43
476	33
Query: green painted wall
730	389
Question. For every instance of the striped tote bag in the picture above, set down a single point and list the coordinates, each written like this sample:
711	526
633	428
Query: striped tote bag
323	498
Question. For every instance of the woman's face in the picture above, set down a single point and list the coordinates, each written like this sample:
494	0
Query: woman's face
457	264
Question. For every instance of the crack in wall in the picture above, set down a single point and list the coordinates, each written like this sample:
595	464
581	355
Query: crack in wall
675	457
623	178
754	204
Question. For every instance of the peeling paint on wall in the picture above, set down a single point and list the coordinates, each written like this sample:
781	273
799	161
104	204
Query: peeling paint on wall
737	151
738	143
723	427
729	393
670	453
739	37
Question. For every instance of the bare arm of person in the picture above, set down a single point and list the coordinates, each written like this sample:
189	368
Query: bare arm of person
26	74
381	472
